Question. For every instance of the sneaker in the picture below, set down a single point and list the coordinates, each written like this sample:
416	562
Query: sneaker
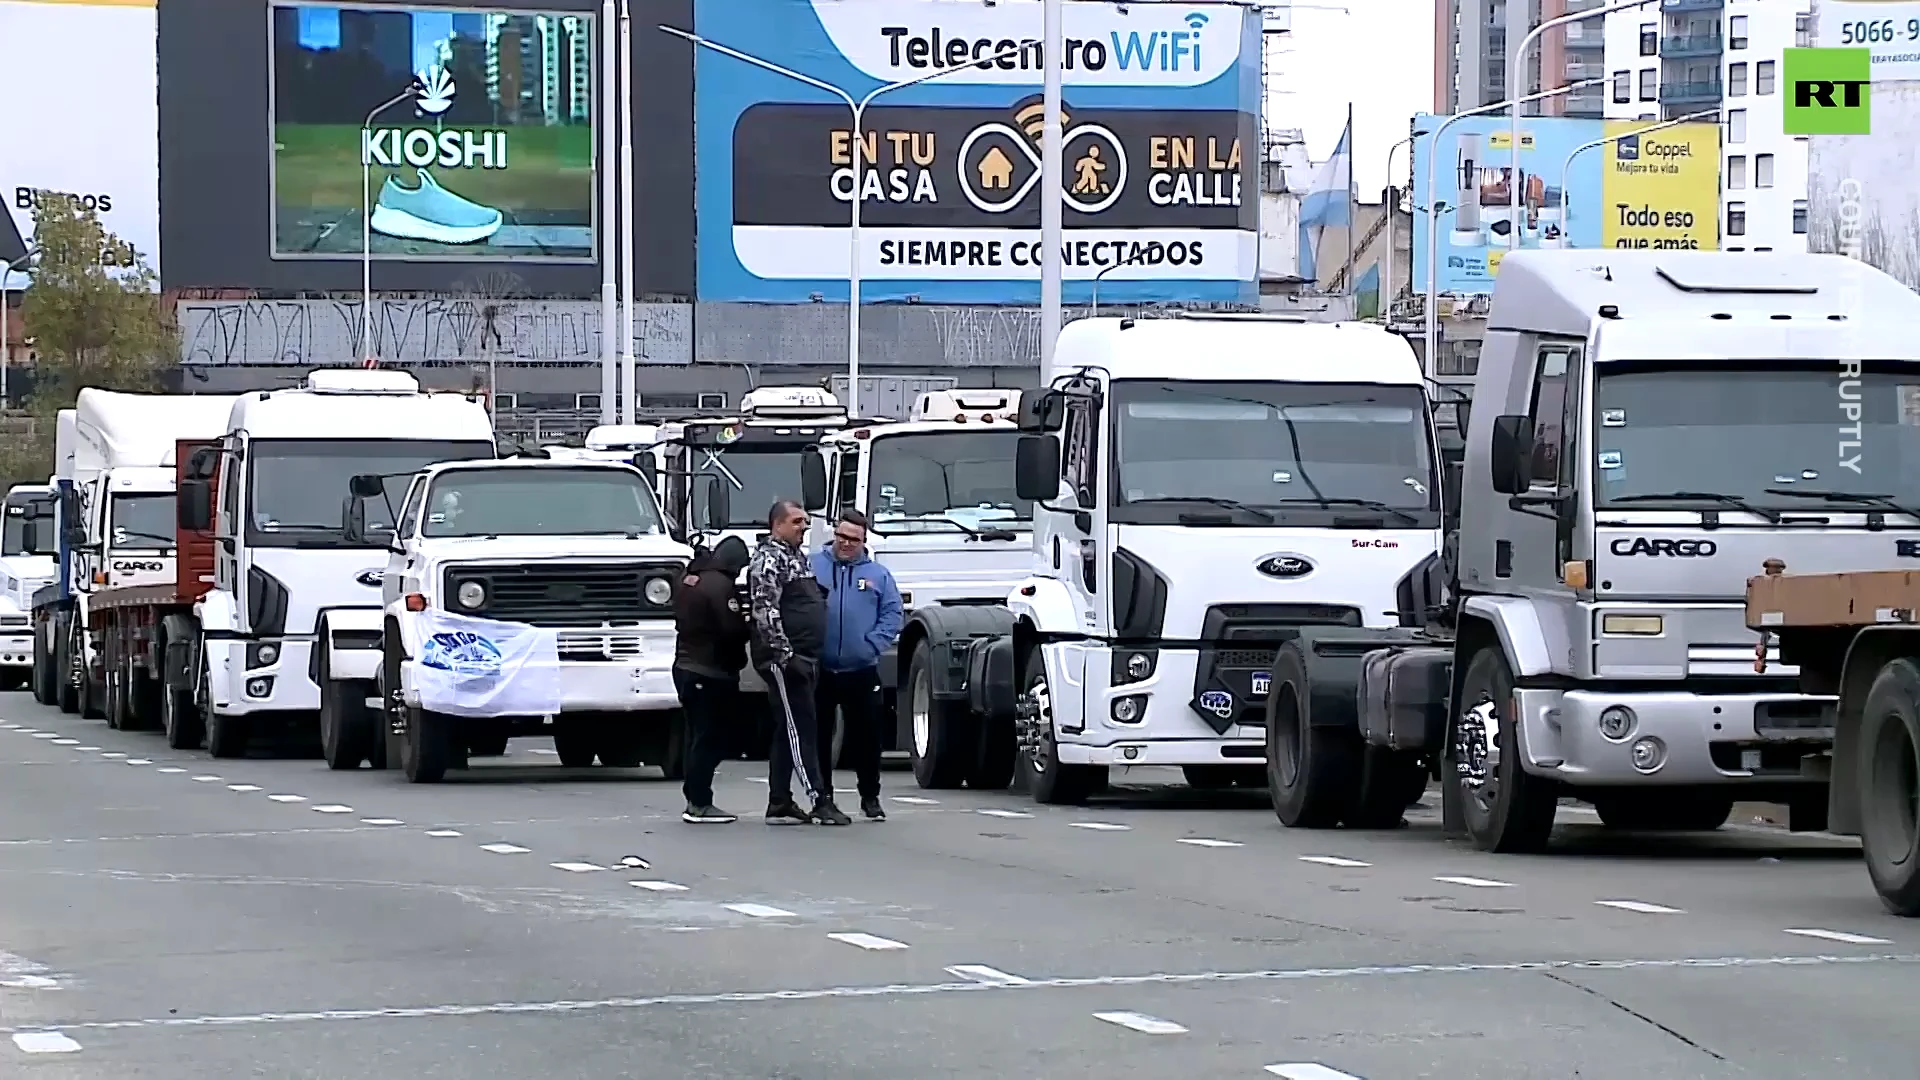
787	813
825	813
873	810
706	815
431	212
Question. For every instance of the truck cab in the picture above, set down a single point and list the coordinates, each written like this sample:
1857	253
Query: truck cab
27	548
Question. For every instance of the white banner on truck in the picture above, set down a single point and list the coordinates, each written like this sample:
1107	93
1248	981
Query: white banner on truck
482	668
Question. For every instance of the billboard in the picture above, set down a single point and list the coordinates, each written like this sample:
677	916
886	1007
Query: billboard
491	158
1159	175
1583	183
93	138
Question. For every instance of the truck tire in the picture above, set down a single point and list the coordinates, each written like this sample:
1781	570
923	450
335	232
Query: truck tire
226	735
944	745
1890	779
1390	781
996	756
1664	811
1313	772
427	752
575	740
67	688
93	695
1041	773
143	699
180	717
1510	811
46	683
114	698
347	727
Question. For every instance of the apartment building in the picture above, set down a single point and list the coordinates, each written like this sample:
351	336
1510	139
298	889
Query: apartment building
1720	59
1474	44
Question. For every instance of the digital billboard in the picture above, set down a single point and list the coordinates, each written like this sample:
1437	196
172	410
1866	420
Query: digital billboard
1582	183
490	156
1159	176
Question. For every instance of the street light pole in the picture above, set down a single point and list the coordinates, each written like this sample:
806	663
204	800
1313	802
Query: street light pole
1052	147
366	223
1513	83
628	392
1566	167
6	273
1432	335
1094	308
858	107
1386	274
609	214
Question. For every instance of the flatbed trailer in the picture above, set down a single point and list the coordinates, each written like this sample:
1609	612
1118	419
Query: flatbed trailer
1857	636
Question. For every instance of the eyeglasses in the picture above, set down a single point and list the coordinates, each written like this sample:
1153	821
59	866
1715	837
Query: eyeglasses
845	539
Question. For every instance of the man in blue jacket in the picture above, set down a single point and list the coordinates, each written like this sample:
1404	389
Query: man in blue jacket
863	619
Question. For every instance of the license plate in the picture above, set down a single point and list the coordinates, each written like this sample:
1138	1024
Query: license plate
1750	760
1262	682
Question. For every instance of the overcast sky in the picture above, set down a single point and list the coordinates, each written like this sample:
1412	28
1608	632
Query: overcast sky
1380	57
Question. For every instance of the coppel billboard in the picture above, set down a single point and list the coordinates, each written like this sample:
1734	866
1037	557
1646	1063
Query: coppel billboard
1159	173
1583	183
490	158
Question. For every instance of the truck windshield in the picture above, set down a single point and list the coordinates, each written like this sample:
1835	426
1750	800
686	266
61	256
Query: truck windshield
944	481
1265	453
297	488
539	502
142	520
1706	427
19	512
754	476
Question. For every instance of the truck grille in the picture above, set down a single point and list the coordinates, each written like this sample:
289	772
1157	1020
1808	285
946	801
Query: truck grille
564	594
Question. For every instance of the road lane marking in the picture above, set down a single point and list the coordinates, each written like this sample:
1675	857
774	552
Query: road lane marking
46	735
1333	860
206	779
1100	826
112	755
381	821
139	761
1841	936
988	976
44	1042
914	800
1309	1070
243	788
1141	1022
86	748
1004	813
20	973
1476	882
66	742
443	833
333	808
288	798
868	941
505	849
658	886
576	867
171	769
1641	907
1198	841
761	911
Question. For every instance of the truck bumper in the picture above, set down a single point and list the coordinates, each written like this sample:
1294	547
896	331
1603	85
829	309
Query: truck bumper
282	686
1167	730
638	686
1684	738
16	649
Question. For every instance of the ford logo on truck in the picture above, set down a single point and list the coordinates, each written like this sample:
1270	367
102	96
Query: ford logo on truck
1284	566
131	565
369	578
1668	549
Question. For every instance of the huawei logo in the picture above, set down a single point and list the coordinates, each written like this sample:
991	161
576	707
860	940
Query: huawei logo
434	94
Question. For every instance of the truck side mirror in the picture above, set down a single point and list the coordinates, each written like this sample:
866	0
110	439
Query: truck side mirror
194	506
813	480
367	485
1512	450
29	536
719	504
1036	468
76	536
1450	476
1042	411
644	462
353	518
201	464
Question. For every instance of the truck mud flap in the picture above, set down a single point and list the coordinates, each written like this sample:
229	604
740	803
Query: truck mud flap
992	689
1403	695
952	633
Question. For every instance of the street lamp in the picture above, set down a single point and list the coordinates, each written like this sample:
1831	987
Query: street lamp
629	392
366	221
1432	335
1094	308
1567	165
6	273
1513	80
1386	273
858	106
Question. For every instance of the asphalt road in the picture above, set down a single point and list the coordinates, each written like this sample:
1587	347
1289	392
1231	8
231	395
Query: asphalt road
166	916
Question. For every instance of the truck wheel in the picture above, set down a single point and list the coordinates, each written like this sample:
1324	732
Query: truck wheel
1390	781
1663	811
346	726
1045	778
427	751
65	676
574	739
942	750
1890	775
997	755
226	735
114	696
623	741
180	717
93	705
46	685
143	699
1506	809
1312	772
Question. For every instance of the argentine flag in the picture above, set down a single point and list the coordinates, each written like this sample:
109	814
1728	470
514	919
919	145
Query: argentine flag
1326	202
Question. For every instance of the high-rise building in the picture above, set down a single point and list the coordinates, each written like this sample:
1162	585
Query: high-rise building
1475	42
1720	60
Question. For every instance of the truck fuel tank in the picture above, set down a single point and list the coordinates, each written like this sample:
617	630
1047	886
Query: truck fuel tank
1403	696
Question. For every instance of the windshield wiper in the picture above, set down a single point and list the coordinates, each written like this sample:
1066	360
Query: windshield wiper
132	533
1367	504
1208	500
1885	502
1734	501
972	533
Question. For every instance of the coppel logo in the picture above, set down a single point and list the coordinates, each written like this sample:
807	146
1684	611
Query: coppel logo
1668	151
1828	91
1627	148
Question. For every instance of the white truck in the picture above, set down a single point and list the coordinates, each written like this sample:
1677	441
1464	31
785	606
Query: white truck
294	599
116	519
1204	487
945	521
28	545
521	597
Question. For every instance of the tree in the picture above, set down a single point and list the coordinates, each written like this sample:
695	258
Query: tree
96	319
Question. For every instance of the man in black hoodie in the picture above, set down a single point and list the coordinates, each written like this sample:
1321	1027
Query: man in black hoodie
709	651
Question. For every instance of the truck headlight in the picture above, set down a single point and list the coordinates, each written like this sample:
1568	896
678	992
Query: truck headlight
659	591
470	594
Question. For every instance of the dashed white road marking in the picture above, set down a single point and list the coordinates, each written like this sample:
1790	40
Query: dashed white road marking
1840	936
288	798
29	982
47	735
66	742
576	867
1141	1022
171	769
658	886
86	748
1308	1070
868	941
44	1042
1004	813
20	973
914	800
1333	860
113	755
761	911
990	976
443	833
1201	841
1476	882
505	849
1100	826
332	808
243	788
206	779
381	821
1640	906
139	761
